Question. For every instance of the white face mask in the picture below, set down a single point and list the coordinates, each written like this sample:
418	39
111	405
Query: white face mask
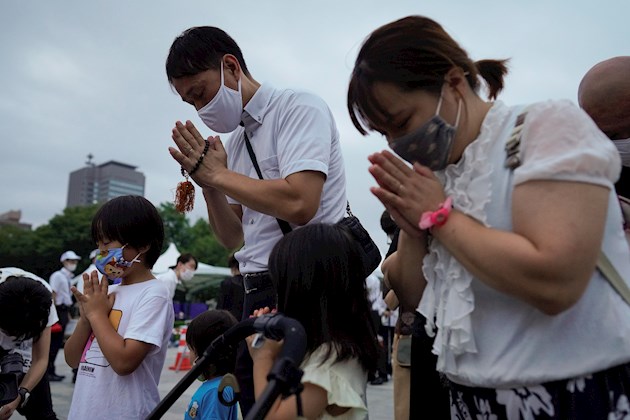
623	146
223	113
71	266
186	274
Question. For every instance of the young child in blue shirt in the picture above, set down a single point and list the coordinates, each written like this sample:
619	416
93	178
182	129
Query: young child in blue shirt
205	403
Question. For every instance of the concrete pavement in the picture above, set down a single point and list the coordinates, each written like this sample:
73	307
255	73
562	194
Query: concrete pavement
380	397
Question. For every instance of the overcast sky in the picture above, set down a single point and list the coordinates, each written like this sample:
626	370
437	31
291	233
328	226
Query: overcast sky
80	77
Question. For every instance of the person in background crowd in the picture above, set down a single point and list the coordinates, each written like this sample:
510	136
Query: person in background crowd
60	282
231	292
604	93
78	280
504	213
281	168
377	309
26	314
183	271
410	344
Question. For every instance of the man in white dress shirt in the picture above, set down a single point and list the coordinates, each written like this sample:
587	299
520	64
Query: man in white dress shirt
298	177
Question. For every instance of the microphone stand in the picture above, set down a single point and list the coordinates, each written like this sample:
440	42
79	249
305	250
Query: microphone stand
284	377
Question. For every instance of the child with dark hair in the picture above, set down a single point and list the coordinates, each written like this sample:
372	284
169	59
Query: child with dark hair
317	270
26	314
120	341
202	331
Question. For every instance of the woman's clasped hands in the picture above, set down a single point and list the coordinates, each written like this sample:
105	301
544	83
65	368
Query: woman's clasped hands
406	192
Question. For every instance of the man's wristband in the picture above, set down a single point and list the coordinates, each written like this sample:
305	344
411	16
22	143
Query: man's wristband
24	394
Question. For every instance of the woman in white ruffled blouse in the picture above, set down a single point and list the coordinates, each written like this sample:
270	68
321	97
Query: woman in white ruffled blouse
504	213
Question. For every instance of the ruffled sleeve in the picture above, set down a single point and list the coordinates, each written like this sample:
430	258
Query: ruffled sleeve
562	143
343	381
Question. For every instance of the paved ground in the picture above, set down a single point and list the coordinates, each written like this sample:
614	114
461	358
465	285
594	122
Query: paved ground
379	396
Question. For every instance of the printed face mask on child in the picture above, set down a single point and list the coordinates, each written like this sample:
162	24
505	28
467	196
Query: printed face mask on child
112	264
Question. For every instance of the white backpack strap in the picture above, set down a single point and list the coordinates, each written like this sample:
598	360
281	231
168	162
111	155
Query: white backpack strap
610	273
513	144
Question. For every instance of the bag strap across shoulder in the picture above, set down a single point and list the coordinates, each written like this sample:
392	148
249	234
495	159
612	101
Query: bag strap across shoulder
284	225
611	274
513	160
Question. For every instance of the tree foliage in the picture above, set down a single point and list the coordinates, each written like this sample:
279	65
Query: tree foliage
38	250
198	239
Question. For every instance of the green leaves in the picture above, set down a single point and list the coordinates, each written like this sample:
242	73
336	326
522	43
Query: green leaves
38	250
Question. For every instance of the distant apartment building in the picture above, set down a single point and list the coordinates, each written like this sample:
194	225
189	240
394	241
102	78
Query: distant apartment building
100	183
12	218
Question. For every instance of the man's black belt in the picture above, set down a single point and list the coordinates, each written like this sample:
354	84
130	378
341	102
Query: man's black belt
256	281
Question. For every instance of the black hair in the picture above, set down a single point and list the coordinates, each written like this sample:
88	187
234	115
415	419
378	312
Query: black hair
133	220
199	49
413	53
387	223
24	307
317	270
184	258
202	331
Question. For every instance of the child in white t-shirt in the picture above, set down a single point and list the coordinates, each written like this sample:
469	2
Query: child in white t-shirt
120	341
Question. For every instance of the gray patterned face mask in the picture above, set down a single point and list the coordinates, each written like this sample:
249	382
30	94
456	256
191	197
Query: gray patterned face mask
429	145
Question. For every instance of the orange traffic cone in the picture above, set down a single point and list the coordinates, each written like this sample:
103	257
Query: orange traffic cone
182	361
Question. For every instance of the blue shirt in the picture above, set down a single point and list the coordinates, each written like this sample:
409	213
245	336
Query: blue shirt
205	403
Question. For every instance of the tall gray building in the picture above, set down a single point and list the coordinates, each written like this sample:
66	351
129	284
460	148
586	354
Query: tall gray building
100	183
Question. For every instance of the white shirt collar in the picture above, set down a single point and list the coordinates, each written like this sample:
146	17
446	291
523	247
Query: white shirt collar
256	109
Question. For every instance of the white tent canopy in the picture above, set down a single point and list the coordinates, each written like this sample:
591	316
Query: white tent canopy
169	259
166	260
203	268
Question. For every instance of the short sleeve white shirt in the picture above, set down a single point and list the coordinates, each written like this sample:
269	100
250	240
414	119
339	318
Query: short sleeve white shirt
344	382
290	132
60	282
170	280
375	294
